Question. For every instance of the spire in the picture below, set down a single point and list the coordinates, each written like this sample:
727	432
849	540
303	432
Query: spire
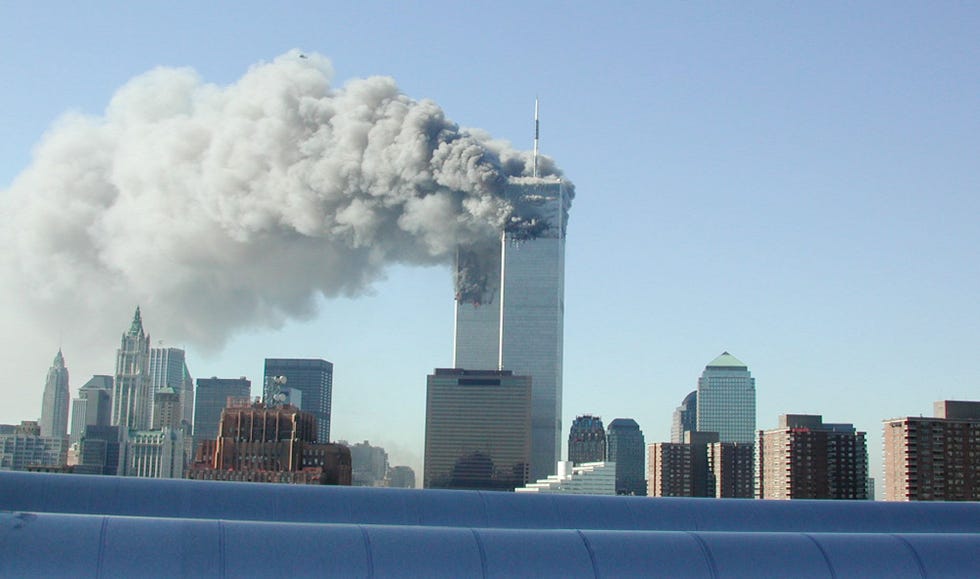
534	169
137	326
59	360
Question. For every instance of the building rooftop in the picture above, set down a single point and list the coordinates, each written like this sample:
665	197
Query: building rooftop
726	360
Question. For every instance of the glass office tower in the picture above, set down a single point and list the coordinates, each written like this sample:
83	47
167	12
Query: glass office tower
313	378
510	304
726	400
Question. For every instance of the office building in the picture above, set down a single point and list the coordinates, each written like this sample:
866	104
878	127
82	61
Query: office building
401	477
211	398
100	451
54	405
155	453
805	458
934	459
132	397
22	446
167	409
702	480
669	469
260	443
510	307
93	407
685	417
586	440
477	429
168	368
726	400
313	378
591	478
369	464
625	446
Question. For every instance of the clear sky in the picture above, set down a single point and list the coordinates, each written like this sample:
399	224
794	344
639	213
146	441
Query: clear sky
797	185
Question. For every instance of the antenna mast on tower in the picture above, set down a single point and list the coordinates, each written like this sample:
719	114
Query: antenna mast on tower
534	172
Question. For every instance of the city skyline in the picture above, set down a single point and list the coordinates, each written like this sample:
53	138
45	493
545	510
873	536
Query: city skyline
792	184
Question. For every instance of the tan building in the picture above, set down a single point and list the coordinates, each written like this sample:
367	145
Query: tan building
669	469
934	459
804	458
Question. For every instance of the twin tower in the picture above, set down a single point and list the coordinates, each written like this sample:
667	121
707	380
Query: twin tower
510	308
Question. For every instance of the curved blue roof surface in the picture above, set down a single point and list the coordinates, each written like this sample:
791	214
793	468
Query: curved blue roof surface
68	525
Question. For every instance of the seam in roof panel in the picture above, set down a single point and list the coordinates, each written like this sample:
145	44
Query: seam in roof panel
367	551
915	554
833	572
706	552
588	547
483	553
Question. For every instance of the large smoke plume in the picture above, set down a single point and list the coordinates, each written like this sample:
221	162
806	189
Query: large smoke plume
221	207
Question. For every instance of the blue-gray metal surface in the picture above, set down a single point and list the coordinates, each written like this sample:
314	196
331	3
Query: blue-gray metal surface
81	494
51	544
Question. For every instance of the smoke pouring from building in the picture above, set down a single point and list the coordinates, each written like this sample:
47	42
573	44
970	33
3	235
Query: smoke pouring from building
224	207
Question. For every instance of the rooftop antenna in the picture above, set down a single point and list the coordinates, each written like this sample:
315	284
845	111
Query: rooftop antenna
535	165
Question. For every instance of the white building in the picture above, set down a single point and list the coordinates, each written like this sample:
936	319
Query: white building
155	453
590	478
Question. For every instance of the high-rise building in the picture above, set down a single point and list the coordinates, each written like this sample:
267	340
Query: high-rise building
805	458
167	409
369	464
401	477
313	378
586	440
168	368
132	399
730	468
669	471
625	447
155	453
510	307
100	451
477	429
260	443
685	417
934	459
211	399
726	400
702	481
54	407
93	407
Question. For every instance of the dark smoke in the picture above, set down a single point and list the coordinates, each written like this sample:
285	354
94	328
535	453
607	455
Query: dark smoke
222	207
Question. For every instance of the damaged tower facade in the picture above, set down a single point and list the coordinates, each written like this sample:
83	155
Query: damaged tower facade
510	306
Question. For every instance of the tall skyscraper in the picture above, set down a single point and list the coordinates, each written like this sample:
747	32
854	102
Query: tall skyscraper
934	459
805	458
168	368
625	446
211	399
477	429
54	407
132	398
312	377
669	469
93	407
510	308
586	440
726	400
685	417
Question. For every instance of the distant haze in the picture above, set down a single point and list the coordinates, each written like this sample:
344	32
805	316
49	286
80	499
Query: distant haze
224	207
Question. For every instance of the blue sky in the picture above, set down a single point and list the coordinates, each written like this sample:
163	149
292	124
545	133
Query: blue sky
796	185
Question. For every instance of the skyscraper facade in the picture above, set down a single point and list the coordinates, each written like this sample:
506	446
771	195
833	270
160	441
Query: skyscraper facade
168	368
726	400
685	417
934	459
54	407
93	407
805	458
586	440
510	307
625	446
312	377
669	469
132	398
211	398
477	429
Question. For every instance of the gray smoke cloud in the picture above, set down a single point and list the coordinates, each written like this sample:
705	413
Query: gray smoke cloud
223	207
